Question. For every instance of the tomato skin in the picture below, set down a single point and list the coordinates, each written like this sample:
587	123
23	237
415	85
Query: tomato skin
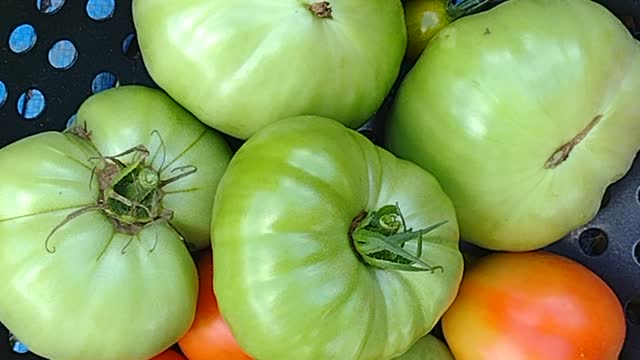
428	347
260	55
209	336
169	354
533	306
489	104
288	280
183	141
424	18
97	289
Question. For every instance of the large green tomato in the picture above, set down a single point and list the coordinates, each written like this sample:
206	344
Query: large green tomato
427	348
239	65
93	262
328	247
524	113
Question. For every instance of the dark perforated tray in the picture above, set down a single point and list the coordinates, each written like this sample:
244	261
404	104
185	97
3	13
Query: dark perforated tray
41	88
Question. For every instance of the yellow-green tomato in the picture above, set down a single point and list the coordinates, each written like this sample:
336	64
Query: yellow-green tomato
328	247
239	65
427	348
424	18
525	113
93	225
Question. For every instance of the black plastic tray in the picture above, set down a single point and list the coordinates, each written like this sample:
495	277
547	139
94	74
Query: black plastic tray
102	34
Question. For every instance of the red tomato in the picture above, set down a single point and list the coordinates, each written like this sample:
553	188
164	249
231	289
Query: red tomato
533	306
169	355
209	337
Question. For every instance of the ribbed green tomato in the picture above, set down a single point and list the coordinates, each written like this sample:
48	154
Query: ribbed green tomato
239	65
93	263
427	348
328	247
525	113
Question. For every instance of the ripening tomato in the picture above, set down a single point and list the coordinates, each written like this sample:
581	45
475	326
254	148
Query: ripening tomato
169	355
533	306
209	337
424	18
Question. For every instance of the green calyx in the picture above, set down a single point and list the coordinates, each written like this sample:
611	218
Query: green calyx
130	193
379	238
459	8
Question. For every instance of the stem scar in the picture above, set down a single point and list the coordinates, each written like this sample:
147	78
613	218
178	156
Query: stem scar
562	153
321	9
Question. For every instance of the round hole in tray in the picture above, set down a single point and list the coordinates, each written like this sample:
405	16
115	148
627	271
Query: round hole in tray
72	120
636	252
632	310
101	10
31	104
49	6
3	93
130	46
593	241
103	81
63	55
22	39
17	346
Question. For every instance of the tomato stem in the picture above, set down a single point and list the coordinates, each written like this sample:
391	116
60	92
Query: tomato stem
321	9
379	238
130	193
140	185
80	131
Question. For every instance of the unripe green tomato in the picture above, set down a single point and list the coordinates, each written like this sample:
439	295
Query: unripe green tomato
425	18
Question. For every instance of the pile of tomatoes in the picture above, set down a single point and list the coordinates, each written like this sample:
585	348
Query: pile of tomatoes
534	305
140	233
209	336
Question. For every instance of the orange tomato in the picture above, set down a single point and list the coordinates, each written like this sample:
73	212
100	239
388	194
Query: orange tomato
209	336
533	306
169	354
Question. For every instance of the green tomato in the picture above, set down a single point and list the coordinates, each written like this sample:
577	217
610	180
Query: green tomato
427	348
239	65
329	247
424	18
93	262
525	113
